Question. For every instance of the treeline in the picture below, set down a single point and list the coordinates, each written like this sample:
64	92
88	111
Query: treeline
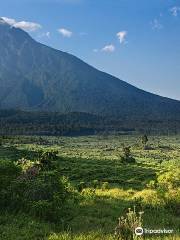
14	122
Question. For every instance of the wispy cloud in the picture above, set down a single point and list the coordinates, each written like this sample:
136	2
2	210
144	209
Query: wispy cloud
122	36
156	24
108	48
27	26
45	34
65	32
175	10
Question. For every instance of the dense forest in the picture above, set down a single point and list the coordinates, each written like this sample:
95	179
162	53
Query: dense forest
16	122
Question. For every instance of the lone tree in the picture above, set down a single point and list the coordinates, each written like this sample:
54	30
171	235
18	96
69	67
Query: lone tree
126	152
127	157
144	140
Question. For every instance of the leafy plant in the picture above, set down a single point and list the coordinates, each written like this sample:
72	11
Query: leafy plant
95	183
127	157
144	140
81	186
105	186
127	224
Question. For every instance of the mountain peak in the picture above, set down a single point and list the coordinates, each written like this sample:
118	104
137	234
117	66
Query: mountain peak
9	33
36	77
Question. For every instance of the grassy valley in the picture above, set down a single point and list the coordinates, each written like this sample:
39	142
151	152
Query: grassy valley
98	185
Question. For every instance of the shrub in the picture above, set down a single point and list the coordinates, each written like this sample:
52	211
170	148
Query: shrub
172	200
45	196
105	186
89	193
127	224
29	168
170	179
81	186
24	163
144	140
95	183
168	188
48	159
8	172
127	158
152	184
149	198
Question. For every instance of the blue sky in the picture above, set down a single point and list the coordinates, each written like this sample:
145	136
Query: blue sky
135	40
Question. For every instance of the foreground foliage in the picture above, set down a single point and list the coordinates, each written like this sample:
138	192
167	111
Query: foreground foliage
77	188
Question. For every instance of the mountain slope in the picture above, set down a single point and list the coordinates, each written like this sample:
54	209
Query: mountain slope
36	77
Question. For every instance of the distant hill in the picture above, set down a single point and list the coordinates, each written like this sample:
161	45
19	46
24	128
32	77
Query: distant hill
35	77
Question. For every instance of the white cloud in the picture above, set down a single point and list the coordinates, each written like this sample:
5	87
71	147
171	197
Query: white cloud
65	33
121	36
175	10
10	21
27	26
108	48
156	24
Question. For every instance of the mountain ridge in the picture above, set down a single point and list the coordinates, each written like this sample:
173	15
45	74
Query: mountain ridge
36	77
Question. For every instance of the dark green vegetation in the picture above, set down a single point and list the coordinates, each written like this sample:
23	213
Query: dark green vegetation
14	122
76	188
36	77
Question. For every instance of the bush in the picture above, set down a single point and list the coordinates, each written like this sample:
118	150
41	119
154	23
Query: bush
168	188
81	186
47	159
152	184
127	158
45	196
170	179
149	198
43	209
8	172
105	186
29	168
144	140
172	199
127	224
89	193
95	183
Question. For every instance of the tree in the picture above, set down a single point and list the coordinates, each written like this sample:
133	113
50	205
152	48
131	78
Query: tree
144	140
127	157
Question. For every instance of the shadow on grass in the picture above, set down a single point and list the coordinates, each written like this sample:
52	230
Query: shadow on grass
134	176
100	214
126	176
13	154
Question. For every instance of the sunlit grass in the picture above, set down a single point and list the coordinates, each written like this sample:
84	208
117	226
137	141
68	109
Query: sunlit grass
96	158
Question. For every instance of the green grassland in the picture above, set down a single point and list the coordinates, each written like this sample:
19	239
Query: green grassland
110	186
